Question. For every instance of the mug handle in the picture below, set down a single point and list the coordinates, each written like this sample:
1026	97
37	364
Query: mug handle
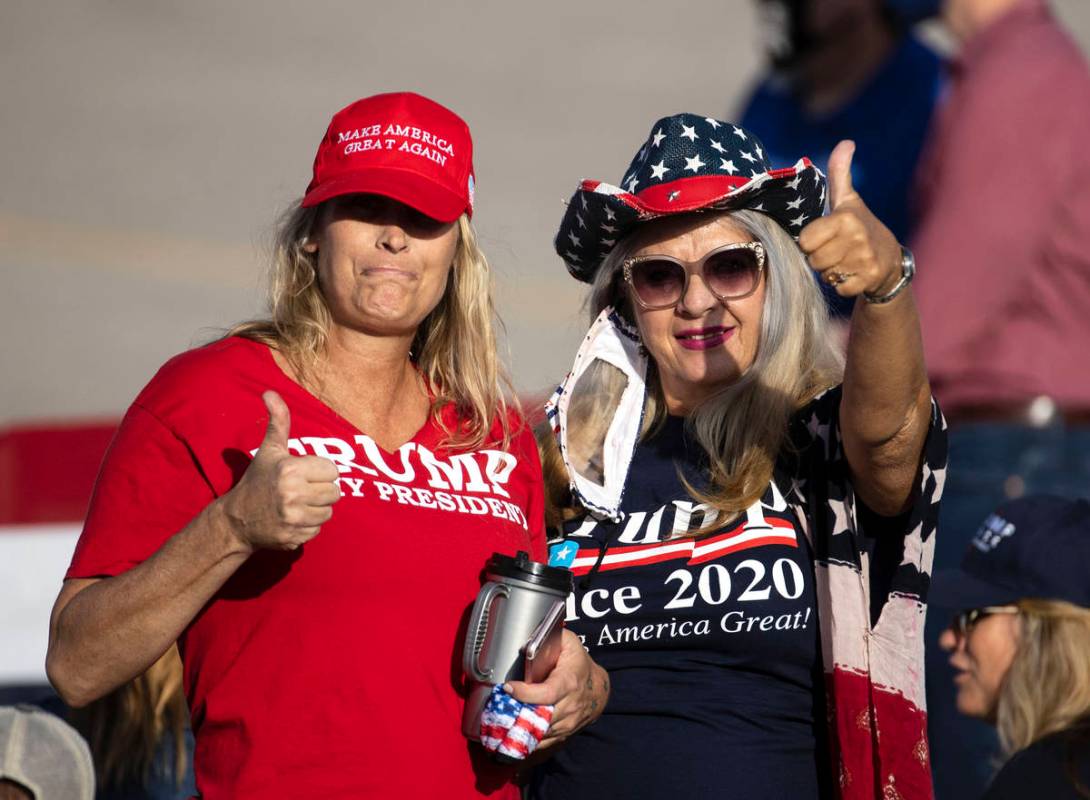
477	633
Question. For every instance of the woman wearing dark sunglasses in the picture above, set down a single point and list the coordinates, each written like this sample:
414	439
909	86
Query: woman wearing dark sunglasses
738	504
1021	643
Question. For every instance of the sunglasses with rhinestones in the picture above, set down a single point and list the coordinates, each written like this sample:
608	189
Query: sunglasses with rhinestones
731	272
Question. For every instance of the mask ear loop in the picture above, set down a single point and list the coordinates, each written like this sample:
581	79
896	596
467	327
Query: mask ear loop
603	546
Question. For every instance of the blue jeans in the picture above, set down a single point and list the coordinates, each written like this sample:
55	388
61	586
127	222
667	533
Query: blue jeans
989	463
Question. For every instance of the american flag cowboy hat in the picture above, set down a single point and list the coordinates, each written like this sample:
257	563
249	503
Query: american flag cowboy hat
688	163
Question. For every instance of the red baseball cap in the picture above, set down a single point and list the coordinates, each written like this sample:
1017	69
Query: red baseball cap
399	145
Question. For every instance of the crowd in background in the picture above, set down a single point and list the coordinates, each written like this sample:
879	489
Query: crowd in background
995	223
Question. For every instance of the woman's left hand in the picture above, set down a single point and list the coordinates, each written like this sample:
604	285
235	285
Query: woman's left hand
850	249
577	688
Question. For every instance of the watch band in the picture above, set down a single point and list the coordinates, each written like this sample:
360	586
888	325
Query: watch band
908	272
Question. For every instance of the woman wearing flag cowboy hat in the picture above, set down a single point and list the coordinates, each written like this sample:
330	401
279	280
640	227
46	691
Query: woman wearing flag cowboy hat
749	513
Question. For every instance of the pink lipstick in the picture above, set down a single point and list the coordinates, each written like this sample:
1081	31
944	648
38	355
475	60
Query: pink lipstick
703	338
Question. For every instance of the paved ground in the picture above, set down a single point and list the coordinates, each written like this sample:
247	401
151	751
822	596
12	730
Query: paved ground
146	146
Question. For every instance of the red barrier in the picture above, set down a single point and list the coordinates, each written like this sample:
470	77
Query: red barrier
47	472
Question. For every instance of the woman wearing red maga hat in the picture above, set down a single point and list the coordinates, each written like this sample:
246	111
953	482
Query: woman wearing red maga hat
306	504
750	519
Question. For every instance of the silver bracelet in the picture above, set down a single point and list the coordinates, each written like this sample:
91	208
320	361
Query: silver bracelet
908	272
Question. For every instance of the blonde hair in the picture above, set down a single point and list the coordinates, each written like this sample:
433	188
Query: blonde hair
558	499
124	728
1047	687
743	427
454	347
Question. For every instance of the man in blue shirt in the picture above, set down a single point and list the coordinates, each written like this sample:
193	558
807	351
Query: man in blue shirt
849	70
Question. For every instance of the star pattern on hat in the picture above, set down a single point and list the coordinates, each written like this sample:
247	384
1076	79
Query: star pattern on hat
679	149
694	163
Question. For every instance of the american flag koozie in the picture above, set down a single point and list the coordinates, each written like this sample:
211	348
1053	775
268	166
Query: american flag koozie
513	729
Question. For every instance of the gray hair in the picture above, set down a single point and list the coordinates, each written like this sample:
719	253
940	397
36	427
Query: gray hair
743	426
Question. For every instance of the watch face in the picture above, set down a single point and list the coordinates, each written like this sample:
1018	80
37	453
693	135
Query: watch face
908	264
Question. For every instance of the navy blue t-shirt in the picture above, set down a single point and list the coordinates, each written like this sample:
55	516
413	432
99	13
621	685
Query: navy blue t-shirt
888	119
711	644
1056	767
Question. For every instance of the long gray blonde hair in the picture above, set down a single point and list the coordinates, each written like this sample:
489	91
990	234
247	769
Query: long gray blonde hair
1047	687
454	347
743	427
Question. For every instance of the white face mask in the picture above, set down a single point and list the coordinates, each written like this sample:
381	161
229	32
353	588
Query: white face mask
598	453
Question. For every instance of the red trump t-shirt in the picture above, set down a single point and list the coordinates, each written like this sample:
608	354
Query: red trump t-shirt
334	670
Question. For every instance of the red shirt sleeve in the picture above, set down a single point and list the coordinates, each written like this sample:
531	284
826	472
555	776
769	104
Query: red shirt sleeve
523	446
535	509
148	489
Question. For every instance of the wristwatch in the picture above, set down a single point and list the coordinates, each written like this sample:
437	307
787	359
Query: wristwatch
908	272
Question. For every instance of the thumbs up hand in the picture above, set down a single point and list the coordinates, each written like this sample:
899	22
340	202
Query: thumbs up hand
850	249
282	499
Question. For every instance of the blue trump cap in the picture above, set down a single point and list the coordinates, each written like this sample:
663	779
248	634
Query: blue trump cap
1035	546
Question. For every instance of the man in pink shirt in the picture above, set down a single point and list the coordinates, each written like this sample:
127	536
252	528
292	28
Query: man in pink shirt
1003	249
